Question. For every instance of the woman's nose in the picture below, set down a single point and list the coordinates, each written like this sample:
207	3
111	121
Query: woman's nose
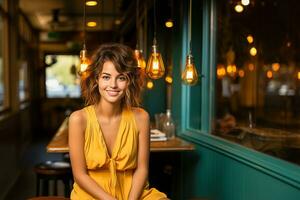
113	83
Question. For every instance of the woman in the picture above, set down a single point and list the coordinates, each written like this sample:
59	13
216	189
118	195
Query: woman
109	138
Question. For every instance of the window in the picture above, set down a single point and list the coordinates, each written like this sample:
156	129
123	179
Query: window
258	76
23	81
1	66
61	76
3	69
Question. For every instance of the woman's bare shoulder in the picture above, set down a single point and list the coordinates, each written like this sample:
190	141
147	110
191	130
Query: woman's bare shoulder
140	114
78	118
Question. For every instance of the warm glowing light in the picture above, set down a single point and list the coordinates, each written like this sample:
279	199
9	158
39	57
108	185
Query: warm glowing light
298	76
241	73
149	84
91	3
275	67
189	75
245	2
231	70
117	22
251	67
169	23
269	74
221	71
141	63
239	8
253	51
155	67
250	39
84	61
83	67
91	24
169	79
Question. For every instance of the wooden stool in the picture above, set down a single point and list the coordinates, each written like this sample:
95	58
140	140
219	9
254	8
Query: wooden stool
53	170
48	198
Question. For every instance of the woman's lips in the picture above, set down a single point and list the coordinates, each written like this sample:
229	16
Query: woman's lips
112	92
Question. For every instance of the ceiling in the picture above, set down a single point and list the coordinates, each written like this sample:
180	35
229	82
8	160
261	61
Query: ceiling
67	15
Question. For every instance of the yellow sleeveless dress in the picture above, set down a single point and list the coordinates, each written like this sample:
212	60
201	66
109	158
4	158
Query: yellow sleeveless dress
113	173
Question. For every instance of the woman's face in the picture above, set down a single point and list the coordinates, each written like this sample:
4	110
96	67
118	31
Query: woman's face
112	84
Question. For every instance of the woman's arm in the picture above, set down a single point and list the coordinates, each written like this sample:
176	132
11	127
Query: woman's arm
77	126
141	173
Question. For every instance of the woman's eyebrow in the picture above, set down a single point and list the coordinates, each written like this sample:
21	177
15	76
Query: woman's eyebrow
105	73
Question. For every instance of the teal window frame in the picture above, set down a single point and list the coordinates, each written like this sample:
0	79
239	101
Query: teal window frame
207	71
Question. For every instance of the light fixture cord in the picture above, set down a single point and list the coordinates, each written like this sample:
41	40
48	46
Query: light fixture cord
84	47
190	27
154	10
136	24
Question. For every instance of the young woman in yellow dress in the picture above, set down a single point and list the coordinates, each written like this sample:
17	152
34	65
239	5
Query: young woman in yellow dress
109	138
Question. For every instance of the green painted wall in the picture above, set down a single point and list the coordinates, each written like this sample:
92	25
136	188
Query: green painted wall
219	170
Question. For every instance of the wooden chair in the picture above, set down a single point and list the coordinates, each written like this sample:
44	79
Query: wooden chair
53	171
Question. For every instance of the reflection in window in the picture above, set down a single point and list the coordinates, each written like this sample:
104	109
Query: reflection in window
61	76
258	76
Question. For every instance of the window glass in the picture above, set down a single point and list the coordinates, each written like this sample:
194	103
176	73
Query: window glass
258	76
2	89
23	81
195	91
61	76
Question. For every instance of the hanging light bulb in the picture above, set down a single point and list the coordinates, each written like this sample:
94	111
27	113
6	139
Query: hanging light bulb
189	75
155	67
141	63
84	61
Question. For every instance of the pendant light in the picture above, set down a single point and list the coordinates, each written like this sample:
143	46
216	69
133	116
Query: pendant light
155	67
84	61
189	75
138	53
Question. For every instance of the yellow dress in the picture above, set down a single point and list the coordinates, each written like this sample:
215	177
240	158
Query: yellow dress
114	174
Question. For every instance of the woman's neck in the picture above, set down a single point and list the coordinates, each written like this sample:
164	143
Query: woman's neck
108	110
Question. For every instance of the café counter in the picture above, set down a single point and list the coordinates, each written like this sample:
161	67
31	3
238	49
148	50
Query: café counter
59	143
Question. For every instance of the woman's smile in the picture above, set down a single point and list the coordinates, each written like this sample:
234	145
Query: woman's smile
112	93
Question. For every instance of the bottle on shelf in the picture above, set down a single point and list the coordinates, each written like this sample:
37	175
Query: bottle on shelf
168	126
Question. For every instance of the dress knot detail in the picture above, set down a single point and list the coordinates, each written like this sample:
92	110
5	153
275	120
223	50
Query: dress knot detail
113	172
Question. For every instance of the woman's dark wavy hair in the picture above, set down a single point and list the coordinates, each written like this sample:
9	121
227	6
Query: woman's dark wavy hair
124	61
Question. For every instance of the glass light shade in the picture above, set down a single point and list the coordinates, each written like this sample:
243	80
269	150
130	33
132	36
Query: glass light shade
189	75
84	61
155	67
140	59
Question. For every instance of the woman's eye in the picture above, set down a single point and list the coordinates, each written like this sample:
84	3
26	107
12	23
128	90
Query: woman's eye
122	78
105	77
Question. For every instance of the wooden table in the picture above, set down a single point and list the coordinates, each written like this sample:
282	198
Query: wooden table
59	143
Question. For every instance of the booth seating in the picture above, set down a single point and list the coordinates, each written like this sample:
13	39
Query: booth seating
53	171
